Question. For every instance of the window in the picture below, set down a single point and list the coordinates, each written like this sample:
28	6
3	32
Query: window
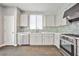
35	21
32	21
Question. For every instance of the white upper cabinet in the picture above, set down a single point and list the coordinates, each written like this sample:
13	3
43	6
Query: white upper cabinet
18	17
44	21
50	21
24	20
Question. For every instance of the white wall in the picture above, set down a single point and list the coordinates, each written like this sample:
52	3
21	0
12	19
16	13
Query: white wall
1	27
10	11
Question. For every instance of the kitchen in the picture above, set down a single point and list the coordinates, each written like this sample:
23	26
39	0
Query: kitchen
40	25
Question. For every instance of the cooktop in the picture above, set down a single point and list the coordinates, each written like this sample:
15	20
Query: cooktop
76	35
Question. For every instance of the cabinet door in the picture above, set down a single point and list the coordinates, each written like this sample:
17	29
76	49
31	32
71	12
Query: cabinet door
47	39
35	39
78	50
50	21
32	39
24	20
50	40
44	21
78	47
57	39
19	39
38	39
23	39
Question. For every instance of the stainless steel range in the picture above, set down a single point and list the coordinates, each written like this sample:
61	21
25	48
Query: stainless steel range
68	44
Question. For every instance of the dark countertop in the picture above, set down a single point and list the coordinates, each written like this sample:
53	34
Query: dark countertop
76	35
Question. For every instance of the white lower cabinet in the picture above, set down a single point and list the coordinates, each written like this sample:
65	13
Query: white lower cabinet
78	50
35	39
57	40
41	39
47	39
78	47
23	39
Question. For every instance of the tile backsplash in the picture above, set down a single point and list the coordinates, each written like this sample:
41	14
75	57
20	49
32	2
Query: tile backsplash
70	28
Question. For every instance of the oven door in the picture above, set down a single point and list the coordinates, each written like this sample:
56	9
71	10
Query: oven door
67	46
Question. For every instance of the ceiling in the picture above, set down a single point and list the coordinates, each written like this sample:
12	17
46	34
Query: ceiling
47	8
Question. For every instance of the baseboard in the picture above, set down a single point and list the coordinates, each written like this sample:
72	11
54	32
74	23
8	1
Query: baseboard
2	45
8	45
43	45
15	45
11	44
23	44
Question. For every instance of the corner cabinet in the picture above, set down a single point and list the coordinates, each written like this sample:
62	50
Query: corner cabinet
24	20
